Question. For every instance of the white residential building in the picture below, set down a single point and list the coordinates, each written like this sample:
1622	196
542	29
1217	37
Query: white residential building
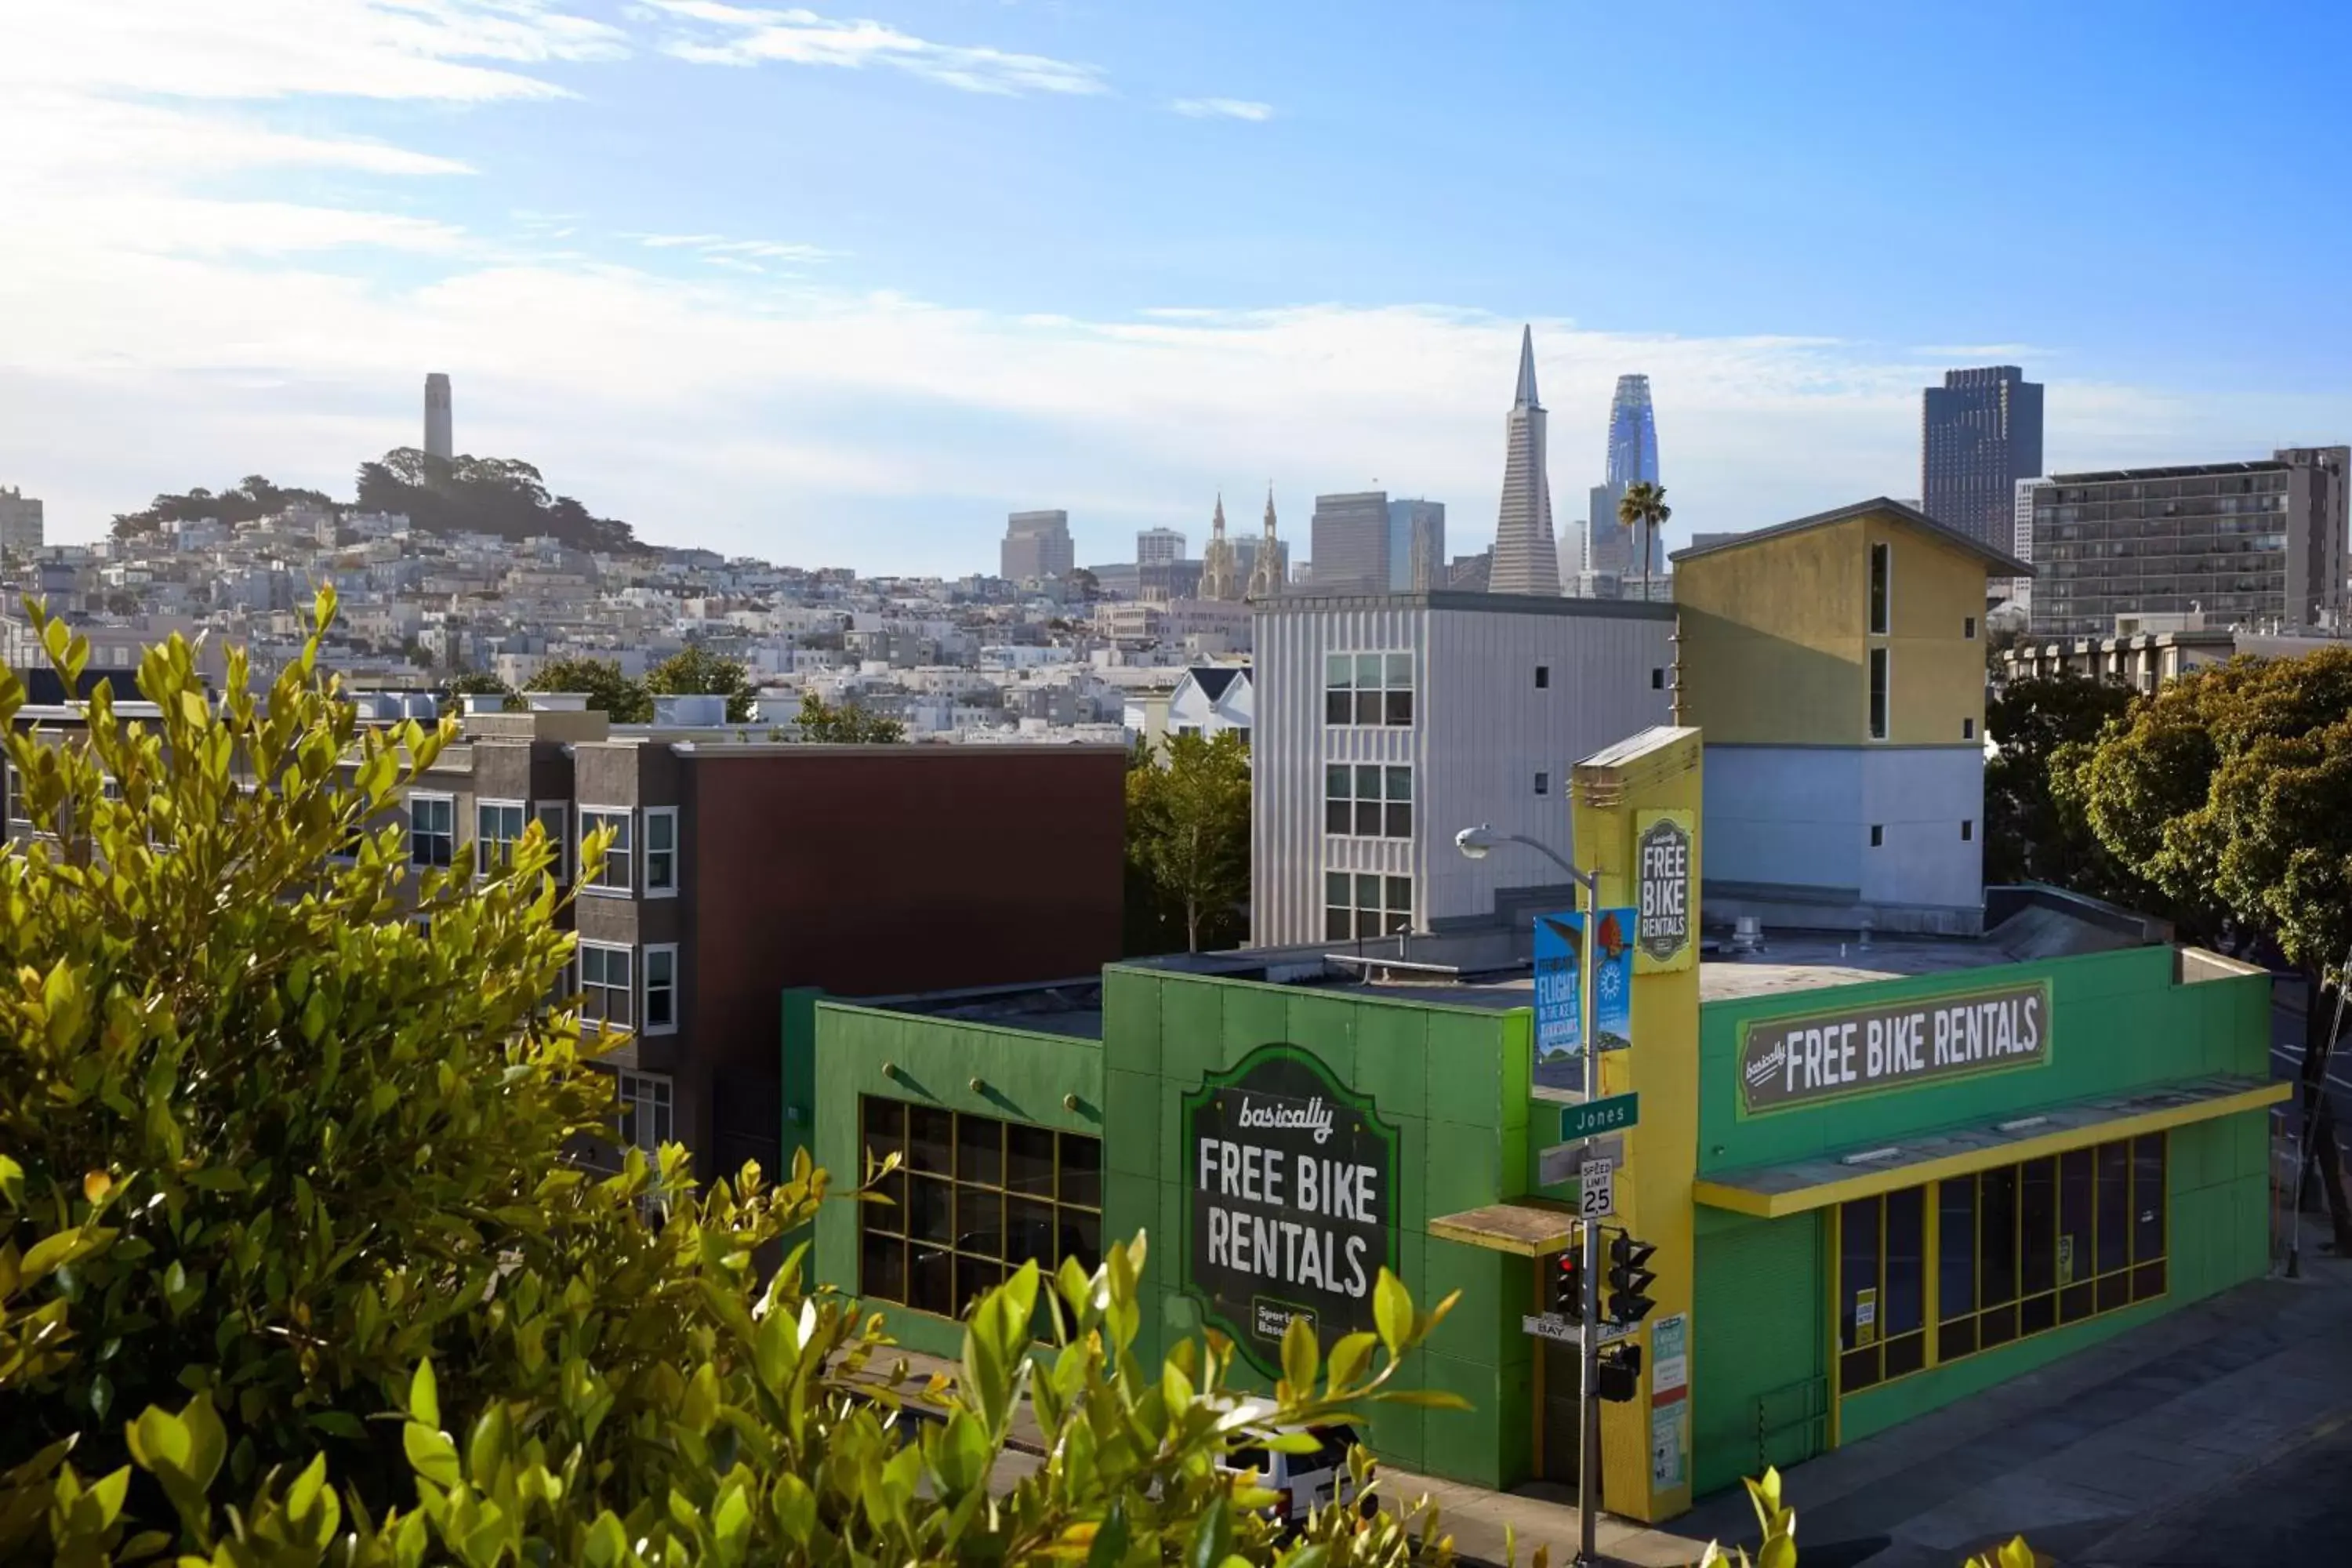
1390	722
1210	700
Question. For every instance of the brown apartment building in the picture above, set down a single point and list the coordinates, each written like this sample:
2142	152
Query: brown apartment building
742	869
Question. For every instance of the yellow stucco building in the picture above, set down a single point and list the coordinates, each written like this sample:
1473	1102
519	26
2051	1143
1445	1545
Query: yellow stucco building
1836	666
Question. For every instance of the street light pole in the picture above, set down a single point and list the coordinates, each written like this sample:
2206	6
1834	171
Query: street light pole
1475	843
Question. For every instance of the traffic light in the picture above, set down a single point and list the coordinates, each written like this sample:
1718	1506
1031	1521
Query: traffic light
1628	1280
1568	1288
1620	1369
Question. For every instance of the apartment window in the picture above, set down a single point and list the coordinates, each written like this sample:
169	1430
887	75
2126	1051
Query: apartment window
1368	688
647	1120
661	989
556	821
1543	677
1968	829
1967	728
432	829
974	1199
1543	784
1368	800
661	852
1969	627
613	876
1359	906
1882	1301
498	828
1878	836
1881	568
1878	684
2025	1249
20	818
605	989
1657	678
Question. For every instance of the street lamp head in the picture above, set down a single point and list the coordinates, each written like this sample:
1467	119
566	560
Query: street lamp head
1475	842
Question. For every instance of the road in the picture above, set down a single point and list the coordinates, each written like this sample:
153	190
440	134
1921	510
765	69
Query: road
2295	1505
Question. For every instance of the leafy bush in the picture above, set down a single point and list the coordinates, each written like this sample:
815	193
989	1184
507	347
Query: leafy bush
294	1268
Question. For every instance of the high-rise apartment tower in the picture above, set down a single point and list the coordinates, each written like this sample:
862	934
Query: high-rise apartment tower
1349	536
1036	544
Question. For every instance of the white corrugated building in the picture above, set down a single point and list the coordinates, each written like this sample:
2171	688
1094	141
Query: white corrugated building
1386	723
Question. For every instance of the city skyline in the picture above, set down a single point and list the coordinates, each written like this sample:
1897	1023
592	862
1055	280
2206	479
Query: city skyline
572	208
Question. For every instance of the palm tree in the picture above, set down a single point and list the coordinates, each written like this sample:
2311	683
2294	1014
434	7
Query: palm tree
1644	504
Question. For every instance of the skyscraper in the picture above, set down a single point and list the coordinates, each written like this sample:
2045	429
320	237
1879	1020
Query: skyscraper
1158	547
1036	544
1526	556
20	525
439	437
1349	542
1416	546
1980	433
1633	433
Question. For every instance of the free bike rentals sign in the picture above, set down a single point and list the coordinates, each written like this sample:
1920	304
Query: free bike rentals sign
1290	1195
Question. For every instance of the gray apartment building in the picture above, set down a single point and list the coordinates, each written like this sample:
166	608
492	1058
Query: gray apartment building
2257	544
1386	723
1037	544
1980	433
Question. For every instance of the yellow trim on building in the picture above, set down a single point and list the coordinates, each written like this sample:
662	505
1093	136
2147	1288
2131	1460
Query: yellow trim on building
1890	1178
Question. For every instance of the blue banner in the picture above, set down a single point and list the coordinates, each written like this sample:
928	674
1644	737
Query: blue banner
1559	962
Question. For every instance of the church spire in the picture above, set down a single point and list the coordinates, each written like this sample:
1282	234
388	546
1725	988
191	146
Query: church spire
1266	571
1221	570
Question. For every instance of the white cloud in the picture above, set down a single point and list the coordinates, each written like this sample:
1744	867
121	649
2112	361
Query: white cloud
274	49
716	34
716	246
1223	109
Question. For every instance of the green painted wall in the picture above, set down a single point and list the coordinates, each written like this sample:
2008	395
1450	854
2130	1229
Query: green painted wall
1757	1345
1453	1079
799	1072
1024	1077
2118	1022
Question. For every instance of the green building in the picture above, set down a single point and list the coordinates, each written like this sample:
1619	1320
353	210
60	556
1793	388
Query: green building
1880	1177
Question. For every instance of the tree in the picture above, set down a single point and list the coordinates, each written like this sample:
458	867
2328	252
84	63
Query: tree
845	724
295	1269
2229	790
695	671
2030	836
1188	828
501	495
1644	506
618	698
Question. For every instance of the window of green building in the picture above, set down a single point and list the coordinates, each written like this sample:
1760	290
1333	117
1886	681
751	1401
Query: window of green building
975	1199
2016	1250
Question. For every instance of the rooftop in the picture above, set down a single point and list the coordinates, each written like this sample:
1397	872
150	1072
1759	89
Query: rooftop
1307	599
1478	971
2000	562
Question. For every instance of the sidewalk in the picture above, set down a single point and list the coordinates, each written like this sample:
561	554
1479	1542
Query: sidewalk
2093	1459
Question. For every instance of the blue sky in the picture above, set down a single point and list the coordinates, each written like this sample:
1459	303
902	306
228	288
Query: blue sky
843	286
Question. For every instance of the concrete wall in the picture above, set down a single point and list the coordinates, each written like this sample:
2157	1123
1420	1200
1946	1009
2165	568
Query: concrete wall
1799	818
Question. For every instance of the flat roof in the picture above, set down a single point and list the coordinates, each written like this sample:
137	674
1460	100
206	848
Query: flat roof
2180	471
1476	604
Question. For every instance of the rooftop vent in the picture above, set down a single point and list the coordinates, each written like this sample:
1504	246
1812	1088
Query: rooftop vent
1748	935
557	701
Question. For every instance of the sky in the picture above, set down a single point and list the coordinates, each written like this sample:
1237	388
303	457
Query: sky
843	286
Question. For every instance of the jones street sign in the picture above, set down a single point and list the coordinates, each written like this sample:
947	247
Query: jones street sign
1610	1115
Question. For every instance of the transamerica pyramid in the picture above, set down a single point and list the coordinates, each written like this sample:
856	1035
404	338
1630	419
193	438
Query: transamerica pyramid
1527	559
